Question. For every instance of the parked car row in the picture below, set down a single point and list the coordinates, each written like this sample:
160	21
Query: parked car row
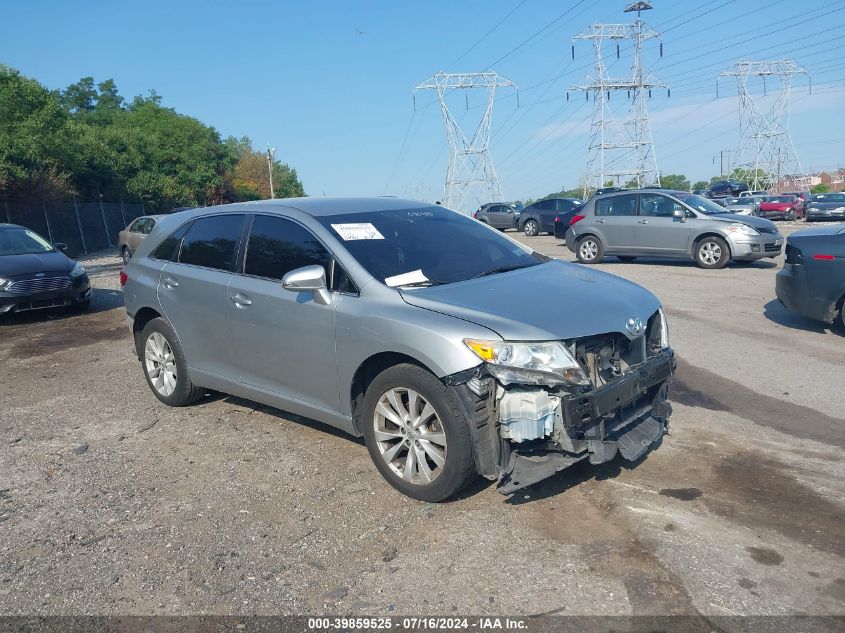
539	217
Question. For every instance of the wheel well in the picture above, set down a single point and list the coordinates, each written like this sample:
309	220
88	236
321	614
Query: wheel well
366	373
710	234
578	238
142	317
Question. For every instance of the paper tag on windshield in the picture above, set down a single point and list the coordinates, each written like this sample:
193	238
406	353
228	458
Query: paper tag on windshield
357	231
413	277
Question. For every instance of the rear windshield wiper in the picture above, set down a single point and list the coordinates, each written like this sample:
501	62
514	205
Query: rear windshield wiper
501	269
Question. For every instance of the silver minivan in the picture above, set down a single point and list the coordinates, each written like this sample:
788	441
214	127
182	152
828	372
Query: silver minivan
454	350
674	224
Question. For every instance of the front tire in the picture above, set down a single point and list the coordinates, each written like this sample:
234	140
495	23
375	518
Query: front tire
126	255
712	253
531	228
790	215
589	250
416	434
165	366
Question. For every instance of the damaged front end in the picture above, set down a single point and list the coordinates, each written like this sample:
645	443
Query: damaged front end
607	394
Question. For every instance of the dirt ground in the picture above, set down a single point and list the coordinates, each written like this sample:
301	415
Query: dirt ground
112	503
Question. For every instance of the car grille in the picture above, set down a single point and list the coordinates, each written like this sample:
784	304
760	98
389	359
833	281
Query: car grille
44	284
771	248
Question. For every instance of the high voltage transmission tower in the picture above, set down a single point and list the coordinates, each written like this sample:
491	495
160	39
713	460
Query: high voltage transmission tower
765	152
623	151
470	174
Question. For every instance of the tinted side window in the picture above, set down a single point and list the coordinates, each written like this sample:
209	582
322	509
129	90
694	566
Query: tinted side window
278	246
169	248
564	205
657	206
545	205
213	241
148	226
624	205
135	226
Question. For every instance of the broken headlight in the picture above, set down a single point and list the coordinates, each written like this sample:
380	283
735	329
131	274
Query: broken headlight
542	363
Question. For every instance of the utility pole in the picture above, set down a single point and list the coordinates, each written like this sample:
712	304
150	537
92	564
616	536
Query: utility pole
470	173
765	145
271	155
627	149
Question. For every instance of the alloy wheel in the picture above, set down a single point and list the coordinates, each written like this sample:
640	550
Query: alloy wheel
160	363
531	228
126	256
409	435
710	253
588	250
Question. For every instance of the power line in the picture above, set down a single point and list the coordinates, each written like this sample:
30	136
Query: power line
488	33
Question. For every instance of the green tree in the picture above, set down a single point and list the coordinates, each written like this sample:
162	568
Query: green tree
35	139
700	184
80	96
820	188
677	182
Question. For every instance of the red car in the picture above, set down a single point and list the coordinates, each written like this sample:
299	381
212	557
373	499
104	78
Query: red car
783	207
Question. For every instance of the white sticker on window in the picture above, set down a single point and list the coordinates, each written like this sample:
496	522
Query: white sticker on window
413	277
357	231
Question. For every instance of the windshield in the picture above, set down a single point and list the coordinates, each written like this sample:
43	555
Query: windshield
786	199
427	246
701	204
23	242
829	197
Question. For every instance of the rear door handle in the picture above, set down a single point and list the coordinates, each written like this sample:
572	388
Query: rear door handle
170	282
642	221
600	220
241	301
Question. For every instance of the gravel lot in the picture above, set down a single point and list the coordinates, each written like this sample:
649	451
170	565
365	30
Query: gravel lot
111	503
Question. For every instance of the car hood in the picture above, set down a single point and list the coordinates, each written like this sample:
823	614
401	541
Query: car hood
776	206
750	220
826	205
13	265
550	301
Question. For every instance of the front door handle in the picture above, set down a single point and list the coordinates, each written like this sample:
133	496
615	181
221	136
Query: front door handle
241	301
600	220
642	221
170	282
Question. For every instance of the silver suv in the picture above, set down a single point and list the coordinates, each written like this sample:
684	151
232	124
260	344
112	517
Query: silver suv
673	224
453	349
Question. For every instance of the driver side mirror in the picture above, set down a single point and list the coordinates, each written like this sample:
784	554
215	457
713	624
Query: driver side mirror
309	279
61	246
681	214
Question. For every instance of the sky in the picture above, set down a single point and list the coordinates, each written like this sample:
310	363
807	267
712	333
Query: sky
330	83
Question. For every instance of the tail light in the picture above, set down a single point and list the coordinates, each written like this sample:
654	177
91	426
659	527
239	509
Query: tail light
823	257
123	278
576	218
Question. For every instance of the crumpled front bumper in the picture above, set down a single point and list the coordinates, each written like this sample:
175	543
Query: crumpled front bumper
627	416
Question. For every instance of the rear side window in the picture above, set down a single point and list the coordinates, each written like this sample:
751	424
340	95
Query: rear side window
277	246
212	242
168	250
624	205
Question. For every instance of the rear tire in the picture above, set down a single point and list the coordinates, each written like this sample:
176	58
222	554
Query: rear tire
589	250
712	252
425	408
165	366
531	228
126	255
626	258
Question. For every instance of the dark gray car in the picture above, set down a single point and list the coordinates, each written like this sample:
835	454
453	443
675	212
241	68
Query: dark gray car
499	215
825	206
453	349
674	224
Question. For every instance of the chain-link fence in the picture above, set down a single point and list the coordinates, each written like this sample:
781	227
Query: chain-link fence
85	227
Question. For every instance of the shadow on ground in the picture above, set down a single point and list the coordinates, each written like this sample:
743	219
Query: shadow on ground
775	311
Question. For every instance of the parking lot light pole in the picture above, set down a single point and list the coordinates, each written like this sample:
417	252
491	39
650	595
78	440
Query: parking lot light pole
271	154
